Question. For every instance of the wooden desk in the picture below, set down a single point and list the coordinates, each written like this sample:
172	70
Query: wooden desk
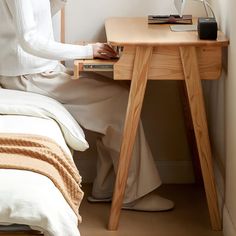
155	52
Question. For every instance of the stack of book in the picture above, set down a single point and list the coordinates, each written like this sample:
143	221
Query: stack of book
170	19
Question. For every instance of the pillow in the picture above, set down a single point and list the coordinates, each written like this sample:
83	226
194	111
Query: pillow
14	102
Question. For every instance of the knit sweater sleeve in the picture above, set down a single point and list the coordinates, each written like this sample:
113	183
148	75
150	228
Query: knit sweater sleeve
37	44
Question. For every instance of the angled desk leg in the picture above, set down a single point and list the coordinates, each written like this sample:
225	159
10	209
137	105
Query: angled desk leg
137	91
196	101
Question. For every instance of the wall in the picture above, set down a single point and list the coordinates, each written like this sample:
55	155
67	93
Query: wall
162	115
225	13
88	17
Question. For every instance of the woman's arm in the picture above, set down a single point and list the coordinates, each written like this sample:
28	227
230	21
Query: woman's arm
39	45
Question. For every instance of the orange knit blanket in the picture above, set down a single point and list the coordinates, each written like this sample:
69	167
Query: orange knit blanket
42	155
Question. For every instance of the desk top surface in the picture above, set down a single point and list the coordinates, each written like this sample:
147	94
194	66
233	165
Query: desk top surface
136	31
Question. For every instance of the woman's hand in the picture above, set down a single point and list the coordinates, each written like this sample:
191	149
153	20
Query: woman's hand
103	51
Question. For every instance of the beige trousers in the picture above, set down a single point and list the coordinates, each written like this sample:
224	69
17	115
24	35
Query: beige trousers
98	104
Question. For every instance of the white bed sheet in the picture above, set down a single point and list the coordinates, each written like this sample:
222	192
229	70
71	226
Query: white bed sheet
13	102
30	198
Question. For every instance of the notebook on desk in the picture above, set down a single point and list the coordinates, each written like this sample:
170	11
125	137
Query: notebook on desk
170	19
183	28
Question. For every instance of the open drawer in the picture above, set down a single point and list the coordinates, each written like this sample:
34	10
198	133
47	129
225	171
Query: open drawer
93	65
166	64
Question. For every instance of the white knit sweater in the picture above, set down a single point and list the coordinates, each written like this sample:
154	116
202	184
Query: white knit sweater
27	45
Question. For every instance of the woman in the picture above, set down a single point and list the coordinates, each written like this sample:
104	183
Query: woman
29	61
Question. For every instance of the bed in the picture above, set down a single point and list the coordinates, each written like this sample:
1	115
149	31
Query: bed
30	201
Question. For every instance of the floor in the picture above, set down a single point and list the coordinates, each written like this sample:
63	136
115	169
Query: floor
189	218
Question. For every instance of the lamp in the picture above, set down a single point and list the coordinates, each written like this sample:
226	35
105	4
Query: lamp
180	5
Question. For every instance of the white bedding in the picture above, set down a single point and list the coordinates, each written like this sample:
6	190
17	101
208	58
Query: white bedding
30	198
27	197
14	102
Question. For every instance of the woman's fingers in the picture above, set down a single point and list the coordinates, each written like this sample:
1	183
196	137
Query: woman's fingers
103	51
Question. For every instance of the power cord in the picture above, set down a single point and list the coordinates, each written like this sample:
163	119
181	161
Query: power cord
207	6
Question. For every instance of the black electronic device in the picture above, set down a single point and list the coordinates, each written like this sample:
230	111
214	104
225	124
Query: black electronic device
207	28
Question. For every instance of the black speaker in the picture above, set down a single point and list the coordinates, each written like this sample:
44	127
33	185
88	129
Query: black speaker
207	28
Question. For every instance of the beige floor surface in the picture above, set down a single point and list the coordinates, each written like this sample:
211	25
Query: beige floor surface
189	218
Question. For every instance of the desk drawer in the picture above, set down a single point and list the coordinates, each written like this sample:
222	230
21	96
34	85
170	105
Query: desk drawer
92	65
165	64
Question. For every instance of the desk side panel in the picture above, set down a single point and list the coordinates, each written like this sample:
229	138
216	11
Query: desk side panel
166	63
